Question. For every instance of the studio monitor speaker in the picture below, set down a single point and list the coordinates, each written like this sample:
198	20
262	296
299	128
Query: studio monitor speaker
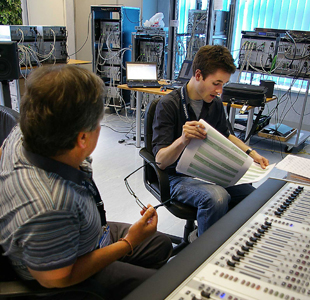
9	63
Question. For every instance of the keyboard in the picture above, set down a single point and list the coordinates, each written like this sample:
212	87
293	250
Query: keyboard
174	86
143	85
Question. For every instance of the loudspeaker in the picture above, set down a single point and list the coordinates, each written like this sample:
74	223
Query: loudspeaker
9	63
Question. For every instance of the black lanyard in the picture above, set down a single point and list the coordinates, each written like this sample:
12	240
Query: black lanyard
92	188
184	104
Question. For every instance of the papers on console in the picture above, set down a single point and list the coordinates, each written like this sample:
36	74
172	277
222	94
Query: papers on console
296	165
216	159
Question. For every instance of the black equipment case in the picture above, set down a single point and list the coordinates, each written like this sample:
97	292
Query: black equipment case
244	94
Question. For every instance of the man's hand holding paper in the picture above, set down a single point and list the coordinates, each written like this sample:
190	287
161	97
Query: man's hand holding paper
193	130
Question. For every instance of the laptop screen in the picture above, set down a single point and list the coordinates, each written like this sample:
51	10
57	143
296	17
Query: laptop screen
141	71
186	71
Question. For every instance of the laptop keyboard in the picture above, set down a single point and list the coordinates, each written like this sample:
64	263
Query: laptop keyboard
174	86
143	84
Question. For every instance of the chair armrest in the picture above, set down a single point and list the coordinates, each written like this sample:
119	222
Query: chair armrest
28	288
146	155
177	208
162	177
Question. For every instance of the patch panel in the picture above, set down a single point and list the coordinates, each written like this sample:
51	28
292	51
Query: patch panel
194	43
111	72
112	92
257	53
48	33
58	51
37	44
28	53
152	51
293	59
110	34
23	33
275	52
197	21
111	58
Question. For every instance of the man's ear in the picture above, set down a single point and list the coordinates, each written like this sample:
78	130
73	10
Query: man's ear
198	74
82	140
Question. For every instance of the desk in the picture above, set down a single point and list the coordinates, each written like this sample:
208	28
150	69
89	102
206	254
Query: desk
157	91
78	62
69	62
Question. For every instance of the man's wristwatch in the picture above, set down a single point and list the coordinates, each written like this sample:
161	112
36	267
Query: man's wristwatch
249	151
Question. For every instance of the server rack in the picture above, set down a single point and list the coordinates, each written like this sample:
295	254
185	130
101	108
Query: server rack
112	27
149	44
204	27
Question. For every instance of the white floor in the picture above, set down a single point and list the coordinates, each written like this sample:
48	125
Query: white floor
116	156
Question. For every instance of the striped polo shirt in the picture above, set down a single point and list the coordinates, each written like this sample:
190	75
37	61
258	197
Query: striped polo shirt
46	220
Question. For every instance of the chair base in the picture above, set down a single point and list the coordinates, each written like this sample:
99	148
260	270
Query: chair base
180	242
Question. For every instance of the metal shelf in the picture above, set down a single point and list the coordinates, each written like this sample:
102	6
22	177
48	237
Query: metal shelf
301	135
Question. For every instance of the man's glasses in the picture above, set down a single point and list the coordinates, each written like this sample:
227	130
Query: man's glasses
131	192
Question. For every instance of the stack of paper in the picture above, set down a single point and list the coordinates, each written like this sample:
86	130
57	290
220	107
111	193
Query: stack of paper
298	166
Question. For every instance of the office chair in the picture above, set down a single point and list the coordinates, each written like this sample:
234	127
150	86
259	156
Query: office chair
11	286
157	183
8	119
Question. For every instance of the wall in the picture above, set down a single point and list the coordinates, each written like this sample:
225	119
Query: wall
46	12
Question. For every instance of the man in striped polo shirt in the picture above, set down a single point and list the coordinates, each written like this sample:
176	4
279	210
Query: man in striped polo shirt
52	219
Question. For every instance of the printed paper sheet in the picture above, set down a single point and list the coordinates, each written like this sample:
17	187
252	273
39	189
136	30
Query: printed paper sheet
295	164
216	159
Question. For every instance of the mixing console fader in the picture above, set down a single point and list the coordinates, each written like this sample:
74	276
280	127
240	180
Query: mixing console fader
267	258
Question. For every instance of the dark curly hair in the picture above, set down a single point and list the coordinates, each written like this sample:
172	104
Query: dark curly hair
59	102
210	58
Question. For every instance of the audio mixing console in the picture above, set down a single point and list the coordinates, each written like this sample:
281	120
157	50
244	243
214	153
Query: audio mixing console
267	257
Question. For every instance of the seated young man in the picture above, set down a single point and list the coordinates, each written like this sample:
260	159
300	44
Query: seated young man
176	124
52	219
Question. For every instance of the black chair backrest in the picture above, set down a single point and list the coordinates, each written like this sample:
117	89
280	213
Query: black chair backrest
7	272
155	180
148	124
8	119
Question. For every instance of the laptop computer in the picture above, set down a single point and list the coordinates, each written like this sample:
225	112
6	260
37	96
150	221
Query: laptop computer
141	74
185	74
